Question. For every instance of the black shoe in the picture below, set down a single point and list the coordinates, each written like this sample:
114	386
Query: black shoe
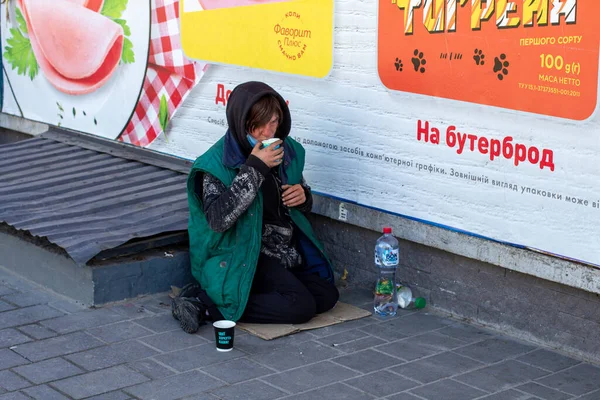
189	290
190	313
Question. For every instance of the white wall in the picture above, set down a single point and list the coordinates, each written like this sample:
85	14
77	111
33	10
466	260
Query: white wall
352	108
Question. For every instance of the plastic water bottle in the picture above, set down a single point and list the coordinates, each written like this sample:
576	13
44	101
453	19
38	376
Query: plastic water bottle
386	261
406	300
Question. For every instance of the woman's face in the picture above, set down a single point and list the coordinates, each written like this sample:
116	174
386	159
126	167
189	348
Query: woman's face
266	131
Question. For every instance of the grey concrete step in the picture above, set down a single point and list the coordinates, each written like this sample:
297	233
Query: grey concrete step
146	271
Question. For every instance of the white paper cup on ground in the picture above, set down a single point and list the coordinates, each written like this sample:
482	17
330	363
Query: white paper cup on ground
224	334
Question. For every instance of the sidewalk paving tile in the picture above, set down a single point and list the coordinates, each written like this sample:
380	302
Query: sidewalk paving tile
436	341
151	368
337	391
295	356
175	387
382	383
406	349
117	395
5	290
367	361
501	376
37	332
494	350
255	390
4	306
416	323
132	310
48	370
543	392
578	380
44	392
385	333
159	323
172	341
11	381
159	303
360	344
509	395
310	377
83	320
67	306
108	356
444	365
404	396
9	359
465	333
591	396
98	382
207	332
196	357
27	299
447	389
28	315
343	337
10	337
18	284
57	346
201	396
119	332
238	370
548	360
14	396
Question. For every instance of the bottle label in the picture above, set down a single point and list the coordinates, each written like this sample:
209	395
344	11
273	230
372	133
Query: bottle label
377	261
389	258
384	286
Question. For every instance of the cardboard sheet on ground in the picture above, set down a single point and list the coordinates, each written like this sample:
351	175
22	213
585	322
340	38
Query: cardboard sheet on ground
342	312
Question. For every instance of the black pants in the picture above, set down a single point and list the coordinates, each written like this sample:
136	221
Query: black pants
283	296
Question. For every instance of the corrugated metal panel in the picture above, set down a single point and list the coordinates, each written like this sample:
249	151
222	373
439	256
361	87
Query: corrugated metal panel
85	201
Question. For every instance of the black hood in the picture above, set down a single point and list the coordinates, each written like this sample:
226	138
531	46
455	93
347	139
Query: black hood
241	99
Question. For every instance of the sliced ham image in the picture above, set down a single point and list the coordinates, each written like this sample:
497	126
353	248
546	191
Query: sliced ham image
77	49
213	4
94	5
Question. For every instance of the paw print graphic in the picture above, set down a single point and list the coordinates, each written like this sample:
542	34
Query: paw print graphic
418	61
398	64
479	57
501	65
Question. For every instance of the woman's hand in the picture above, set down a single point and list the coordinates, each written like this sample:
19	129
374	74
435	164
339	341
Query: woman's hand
269	155
293	195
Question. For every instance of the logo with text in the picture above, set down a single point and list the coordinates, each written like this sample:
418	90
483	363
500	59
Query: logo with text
293	38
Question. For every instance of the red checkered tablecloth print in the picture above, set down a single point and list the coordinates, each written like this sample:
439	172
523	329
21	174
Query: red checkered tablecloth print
169	73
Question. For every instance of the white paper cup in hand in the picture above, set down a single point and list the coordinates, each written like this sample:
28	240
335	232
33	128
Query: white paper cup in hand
268	142
224	334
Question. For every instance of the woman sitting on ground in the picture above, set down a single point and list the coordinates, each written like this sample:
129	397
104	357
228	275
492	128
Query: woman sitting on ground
252	248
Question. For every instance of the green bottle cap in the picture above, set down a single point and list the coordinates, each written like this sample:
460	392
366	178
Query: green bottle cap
420	302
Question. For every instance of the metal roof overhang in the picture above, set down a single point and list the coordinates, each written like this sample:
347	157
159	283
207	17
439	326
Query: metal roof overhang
89	195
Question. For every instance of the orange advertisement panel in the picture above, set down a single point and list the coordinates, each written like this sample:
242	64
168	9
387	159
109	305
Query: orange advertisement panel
539	56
